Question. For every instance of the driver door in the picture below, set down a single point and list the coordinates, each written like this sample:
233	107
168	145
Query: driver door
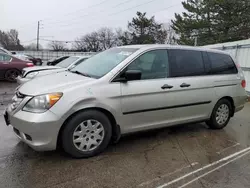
144	101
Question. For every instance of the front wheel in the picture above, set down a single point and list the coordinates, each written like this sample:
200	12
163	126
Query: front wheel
86	134
220	115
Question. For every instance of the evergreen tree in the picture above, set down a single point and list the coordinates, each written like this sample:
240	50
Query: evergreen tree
143	30
212	21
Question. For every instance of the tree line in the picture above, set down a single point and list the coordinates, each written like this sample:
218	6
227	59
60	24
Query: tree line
141	30
204	21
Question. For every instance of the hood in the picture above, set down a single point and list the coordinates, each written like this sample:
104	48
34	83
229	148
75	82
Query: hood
40	68
58	82
50	71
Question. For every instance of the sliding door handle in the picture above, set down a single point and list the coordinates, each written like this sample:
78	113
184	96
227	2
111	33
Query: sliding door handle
185	85
166	86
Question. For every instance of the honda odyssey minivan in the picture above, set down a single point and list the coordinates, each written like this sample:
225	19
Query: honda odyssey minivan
123	90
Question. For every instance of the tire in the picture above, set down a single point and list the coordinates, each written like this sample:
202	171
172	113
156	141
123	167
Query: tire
11	75
84	127
218	121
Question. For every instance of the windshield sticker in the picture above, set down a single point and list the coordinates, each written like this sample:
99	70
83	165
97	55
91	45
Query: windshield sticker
125	53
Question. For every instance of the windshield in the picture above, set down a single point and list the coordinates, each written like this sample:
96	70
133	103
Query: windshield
100	64
67	62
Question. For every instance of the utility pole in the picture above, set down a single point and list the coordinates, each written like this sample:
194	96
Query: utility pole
195	40
37	37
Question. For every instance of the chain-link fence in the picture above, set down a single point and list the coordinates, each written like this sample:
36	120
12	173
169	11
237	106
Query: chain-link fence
46	55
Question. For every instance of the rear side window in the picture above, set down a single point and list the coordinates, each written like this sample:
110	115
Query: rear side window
5	57
185	63
221	64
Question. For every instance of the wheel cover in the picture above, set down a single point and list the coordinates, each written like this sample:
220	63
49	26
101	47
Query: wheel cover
222	114
11	75
88	135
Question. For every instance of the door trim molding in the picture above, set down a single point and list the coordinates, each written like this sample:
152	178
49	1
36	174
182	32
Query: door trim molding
167	107
226	85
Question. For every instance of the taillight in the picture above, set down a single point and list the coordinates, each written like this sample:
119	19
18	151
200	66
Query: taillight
243	83
29	64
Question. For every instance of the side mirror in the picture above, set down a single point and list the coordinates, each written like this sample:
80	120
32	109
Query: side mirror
132	75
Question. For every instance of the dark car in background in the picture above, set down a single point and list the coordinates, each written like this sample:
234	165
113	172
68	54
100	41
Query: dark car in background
55	61
11	66
34	60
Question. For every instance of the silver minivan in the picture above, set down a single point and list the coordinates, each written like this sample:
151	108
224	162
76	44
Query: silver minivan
123	90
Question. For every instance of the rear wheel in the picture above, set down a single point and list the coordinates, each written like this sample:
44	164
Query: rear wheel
11	75
86	134
220	115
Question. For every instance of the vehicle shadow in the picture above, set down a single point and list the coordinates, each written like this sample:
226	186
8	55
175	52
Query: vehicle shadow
127	144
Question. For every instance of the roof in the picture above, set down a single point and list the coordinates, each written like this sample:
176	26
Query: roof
148	46
80	56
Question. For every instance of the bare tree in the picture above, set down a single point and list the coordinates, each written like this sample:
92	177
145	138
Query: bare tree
79	45
100	40
10	40
92	42
107	38
89	42
4	40
57	46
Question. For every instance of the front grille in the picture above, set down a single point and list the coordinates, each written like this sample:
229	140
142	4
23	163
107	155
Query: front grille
16	100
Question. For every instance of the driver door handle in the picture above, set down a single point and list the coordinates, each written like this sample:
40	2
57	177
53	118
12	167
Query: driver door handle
184	85
166	86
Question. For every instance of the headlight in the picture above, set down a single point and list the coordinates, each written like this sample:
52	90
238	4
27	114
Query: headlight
42	103
32	75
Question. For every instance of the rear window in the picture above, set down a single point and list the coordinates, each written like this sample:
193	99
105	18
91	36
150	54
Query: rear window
185	63
67	62
221	64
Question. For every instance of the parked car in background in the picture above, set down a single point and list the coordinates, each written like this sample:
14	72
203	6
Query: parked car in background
35	61
33	72
123	90
55	61
11	66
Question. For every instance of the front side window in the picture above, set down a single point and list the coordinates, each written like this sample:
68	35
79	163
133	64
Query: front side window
5	57
152	64
185	63
67	62
221	64
102	63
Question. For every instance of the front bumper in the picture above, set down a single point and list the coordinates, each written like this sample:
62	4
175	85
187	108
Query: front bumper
39	131
21	80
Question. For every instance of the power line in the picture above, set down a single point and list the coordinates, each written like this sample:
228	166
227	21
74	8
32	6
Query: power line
115	13
28	41
79	10
86	15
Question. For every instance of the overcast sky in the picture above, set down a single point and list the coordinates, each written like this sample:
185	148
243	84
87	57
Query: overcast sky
69	19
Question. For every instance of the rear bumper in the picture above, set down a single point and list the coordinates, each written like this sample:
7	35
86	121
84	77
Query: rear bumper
22	80
239	102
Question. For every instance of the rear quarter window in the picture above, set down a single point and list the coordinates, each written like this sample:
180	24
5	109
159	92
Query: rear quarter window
221	64
185	63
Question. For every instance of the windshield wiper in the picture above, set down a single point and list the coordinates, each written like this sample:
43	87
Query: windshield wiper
81	73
